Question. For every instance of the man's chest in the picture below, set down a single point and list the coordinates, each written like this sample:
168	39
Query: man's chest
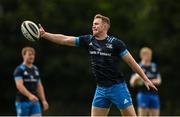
150	72
30	75
100	48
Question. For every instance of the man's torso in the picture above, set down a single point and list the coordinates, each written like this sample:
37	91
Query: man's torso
30	77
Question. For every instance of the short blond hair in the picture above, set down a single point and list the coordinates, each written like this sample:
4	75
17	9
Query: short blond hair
25	49
104	19
145	50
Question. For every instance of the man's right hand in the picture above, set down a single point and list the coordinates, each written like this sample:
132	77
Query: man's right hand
150	85
41	30
33	98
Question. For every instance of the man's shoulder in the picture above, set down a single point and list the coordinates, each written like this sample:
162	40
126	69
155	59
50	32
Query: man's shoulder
115	39
87	36
20	67
153	64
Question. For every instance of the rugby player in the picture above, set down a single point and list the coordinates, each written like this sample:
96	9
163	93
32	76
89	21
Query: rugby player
104	53
29	86
147	100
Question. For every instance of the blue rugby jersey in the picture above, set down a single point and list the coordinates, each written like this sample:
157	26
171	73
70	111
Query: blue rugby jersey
30	77
151	72
104	57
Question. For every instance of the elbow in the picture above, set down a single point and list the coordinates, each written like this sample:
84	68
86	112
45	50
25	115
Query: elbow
64	41
131	82
160	81
19	86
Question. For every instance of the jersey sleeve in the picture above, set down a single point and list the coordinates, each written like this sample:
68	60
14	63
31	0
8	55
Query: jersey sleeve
83	41
18	74
121	48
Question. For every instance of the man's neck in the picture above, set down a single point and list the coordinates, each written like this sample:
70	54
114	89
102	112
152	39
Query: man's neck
28	64
146	63
101	36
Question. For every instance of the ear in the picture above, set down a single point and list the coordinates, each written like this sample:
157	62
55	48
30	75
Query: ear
105	26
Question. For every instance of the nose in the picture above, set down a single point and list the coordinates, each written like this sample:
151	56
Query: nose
93	26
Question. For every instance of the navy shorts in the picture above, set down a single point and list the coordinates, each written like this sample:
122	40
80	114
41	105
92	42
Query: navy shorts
148	100
117	94
28	108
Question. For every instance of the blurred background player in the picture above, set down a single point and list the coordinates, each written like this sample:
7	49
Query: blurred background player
147	101
29	86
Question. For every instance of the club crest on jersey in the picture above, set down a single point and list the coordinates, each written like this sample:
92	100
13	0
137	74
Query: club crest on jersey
109	46
36	73
25	73
153	69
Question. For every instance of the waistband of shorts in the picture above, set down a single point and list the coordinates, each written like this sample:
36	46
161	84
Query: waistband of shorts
149	92
119	82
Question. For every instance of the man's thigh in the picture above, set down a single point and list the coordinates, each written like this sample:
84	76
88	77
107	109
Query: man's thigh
22	108
36	109
129	111
120	96
100	100
95	111
154	112
143	100
143	111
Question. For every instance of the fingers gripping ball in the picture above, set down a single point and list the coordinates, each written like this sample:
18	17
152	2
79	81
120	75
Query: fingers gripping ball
30	30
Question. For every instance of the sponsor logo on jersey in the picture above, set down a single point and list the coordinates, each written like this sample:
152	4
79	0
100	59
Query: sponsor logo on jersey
31	80
99	53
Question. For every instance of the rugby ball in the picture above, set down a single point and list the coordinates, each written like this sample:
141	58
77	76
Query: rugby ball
30	30
138	82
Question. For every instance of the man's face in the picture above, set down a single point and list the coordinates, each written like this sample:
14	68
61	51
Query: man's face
147	56
29	57
98	26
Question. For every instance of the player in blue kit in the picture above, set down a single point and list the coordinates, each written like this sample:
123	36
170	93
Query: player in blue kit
29	86
104	53
147	100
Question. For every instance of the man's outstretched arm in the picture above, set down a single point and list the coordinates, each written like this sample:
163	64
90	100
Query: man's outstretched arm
58	38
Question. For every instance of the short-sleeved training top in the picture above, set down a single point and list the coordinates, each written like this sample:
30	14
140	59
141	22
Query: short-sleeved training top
104	57
30	77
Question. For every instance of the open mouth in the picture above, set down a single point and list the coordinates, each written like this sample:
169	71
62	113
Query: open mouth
95	30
